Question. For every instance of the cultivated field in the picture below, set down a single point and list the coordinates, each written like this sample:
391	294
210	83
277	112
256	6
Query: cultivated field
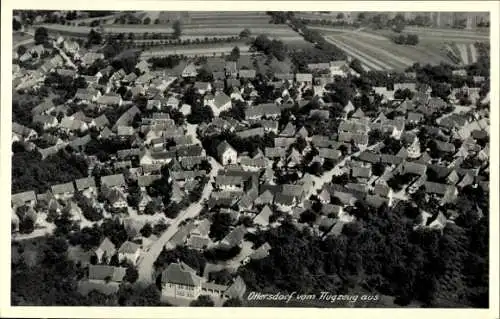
376	51
378	55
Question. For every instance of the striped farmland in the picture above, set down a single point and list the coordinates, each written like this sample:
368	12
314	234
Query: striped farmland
368	62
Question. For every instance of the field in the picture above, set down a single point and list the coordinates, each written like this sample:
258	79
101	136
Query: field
376	51
381	55
195	25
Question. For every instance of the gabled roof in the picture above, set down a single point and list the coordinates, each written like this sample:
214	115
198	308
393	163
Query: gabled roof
265	198
223	147
63	188
21	198
180	274
113	180
105	272
263	217
128	248
221	99
289	130
107	247
84	183
235	237
358	114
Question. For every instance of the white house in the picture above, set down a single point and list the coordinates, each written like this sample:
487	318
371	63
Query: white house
227	154
130	252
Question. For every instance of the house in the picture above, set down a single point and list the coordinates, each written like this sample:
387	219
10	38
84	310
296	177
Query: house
269	110
144	200
24	199
189	71
361	172
117	198
447	192
180	281
340	68
125	131
202	87
227	154
90	57
444	146
109	100
87	95
43	108
247	74
284	202
234	238
220	103
86	186
260	253
229	182
130	252
113	181
142	66
63	191
267	197
104	274
304	78
262	219
105	251
99	122
231	69
198	238
23	132
46	121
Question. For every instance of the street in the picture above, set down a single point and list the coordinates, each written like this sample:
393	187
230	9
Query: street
146	263
327	176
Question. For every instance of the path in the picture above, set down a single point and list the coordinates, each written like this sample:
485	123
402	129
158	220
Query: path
146	263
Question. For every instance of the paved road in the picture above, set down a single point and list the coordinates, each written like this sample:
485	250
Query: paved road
65	57
145	267
327	176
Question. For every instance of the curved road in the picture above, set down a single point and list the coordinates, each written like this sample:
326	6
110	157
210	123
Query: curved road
145	266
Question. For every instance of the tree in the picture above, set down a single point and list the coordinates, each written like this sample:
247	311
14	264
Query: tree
221	223
93	38
147	20
131	274
340	16
26	225
222	277
159	228
177	29
16	25
41	35
235	54
147	230
202	301
21	50
245	33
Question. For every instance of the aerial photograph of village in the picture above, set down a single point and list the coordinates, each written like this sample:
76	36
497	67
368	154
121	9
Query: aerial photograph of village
250	159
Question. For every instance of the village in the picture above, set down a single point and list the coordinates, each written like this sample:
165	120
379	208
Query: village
204	155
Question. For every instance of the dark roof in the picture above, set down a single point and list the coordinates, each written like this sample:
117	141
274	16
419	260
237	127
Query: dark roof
103	272
180	274
235	237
